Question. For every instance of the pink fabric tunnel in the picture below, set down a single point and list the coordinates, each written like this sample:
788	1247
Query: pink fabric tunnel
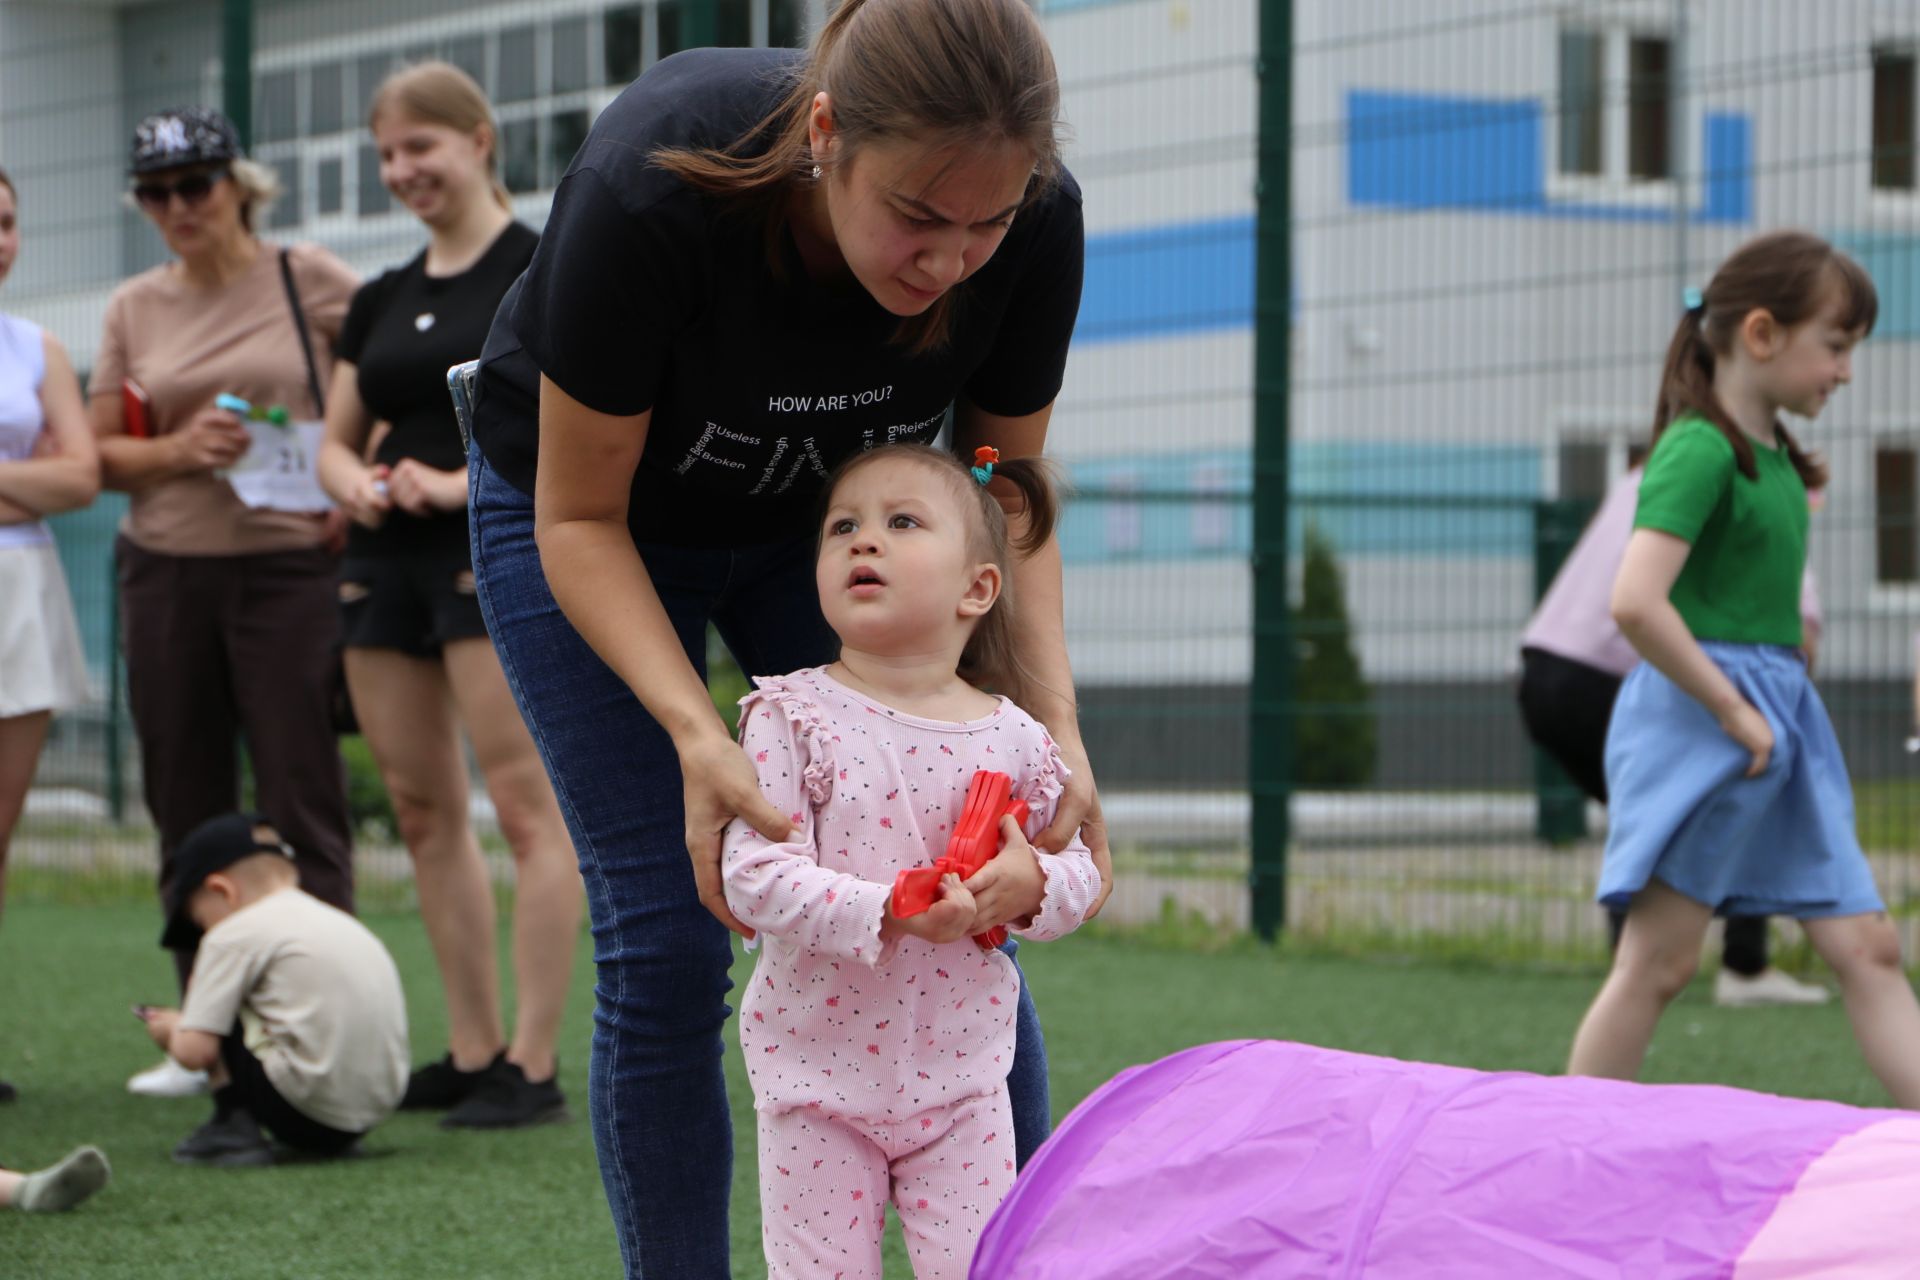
1261	1159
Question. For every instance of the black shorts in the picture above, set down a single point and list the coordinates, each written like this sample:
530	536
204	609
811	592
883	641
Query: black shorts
276	1115
415	600
1566	706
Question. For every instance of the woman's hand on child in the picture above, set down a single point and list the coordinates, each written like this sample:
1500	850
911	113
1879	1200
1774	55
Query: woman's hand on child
1746	726
953	916
1079	809
719	785
1011	888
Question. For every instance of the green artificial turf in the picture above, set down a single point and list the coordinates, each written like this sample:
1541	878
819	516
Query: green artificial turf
528	1205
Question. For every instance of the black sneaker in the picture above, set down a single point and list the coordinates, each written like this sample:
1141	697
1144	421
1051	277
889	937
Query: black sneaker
440	1085
7	1092
506	1099
229	1141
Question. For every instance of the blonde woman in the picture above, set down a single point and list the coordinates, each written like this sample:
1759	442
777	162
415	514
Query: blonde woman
419	664
47	465
228	610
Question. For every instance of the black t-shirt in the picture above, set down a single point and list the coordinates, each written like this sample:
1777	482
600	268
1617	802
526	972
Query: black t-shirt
403	331
646	294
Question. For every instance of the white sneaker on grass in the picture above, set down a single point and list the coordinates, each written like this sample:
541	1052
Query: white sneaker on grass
1769	986
168	1080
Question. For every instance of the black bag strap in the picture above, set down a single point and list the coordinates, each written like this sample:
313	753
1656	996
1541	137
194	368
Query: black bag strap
306	340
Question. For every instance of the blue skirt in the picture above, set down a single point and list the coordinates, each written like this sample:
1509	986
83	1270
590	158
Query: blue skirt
1682	810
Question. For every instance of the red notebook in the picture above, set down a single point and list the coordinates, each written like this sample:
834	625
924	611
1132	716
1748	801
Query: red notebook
136	410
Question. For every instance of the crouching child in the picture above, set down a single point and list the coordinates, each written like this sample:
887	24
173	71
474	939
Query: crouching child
293	1008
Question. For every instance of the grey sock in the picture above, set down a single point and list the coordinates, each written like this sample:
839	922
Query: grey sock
64	1185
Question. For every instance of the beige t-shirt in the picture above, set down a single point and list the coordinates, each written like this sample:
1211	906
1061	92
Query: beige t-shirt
184	344
318	999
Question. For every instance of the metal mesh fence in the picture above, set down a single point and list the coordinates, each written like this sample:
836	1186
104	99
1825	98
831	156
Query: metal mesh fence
1497	205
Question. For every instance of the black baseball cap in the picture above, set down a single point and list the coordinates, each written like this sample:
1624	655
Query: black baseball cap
214	845
182	136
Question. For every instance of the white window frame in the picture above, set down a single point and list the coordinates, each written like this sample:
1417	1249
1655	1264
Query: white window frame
1617	25
486	21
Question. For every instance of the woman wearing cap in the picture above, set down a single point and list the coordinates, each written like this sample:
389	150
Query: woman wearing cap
758	264
47	465
417	655
228	611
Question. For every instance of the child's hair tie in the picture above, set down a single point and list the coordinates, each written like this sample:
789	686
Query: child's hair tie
983	459
1695	300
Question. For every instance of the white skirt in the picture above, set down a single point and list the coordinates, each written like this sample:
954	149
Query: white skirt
42	666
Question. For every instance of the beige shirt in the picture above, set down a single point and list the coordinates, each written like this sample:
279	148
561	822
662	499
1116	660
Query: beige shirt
184	344
319	1001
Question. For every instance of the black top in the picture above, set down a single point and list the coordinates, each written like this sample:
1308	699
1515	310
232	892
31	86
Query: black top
402	332
646	294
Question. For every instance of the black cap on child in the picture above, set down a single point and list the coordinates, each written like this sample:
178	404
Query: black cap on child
214	845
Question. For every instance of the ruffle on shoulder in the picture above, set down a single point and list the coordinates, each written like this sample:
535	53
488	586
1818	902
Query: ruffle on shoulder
794	699
1043	787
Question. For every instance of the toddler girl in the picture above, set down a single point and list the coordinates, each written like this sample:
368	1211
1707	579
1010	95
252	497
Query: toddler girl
878	1046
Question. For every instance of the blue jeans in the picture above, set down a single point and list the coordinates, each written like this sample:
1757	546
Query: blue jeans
656	1089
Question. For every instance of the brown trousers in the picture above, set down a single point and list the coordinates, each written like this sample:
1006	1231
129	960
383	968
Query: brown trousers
224	648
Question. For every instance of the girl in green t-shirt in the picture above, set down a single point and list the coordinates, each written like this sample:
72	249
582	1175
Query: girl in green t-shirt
1729	793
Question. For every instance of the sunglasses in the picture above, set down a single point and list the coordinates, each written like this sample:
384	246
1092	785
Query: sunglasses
191	189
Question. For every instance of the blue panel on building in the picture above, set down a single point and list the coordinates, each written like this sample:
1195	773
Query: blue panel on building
1386	498
1422	151
1894	263
1187	278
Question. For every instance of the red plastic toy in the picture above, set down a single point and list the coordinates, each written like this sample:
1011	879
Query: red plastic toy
974	843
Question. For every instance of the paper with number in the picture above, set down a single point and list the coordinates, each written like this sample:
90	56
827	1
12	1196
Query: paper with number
278	472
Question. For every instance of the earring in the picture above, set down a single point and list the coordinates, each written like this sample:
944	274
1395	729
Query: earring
816	173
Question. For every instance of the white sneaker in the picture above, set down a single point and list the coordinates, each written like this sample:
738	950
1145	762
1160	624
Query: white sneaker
1769	986
168	1080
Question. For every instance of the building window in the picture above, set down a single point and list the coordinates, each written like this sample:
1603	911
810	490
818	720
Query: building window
1615	102
1585	468
1893	118
330	186
1582	101
1896	537
1648	96
548	79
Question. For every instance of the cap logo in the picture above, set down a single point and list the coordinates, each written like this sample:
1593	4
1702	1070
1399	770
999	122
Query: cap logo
170	134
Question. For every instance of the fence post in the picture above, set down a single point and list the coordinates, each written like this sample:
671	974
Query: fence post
1560	809
236	67
703	23
1270	740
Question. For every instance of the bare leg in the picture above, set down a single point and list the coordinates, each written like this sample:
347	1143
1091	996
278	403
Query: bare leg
406	712
9	1185
1865	952
549	898
1659	952
21	738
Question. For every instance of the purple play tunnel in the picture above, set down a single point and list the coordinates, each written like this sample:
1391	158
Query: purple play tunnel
1259	1160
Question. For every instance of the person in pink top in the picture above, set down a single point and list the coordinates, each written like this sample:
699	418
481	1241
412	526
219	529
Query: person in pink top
1572	661
877	1045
